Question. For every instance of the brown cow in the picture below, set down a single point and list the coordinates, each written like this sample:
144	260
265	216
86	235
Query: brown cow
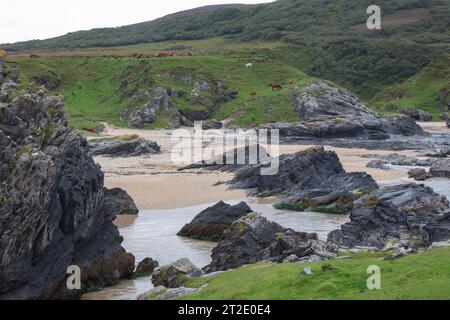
34	56
253	94
291	82
276	86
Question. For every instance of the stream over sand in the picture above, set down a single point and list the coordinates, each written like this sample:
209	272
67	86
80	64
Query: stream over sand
153	234
169	199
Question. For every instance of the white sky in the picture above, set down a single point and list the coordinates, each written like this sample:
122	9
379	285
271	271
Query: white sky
22	20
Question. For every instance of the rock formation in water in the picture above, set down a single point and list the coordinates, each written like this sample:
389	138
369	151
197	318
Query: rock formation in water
313	179
123	146
254	238
146	267
54	210
210	224
119	201
411	215
330	112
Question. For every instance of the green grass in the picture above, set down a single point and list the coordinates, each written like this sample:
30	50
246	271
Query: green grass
421	90
93	94
417	276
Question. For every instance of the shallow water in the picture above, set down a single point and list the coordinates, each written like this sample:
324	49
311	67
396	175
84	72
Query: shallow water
153	234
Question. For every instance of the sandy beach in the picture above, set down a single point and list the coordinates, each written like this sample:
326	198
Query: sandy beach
155	182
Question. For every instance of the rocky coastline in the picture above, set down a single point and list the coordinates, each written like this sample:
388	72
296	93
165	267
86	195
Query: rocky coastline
54	210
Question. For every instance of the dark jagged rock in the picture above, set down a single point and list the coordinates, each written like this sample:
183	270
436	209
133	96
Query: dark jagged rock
331	112
377	164
335	194
254	238
53	212
123	146
172	275
417	114
157	100
313	179
146	268
419	174
441	169
233	160
401	160
412	215
212	222
119	202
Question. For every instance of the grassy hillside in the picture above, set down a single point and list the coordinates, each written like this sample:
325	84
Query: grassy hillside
428	90
97	89
327	39
422	21
418	276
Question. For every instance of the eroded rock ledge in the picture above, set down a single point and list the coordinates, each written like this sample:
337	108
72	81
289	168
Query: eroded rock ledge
53	212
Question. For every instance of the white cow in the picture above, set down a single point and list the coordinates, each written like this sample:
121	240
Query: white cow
249	65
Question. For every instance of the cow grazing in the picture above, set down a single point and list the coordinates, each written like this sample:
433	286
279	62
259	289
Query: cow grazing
249	65
276	86
253	94
291	82
34	56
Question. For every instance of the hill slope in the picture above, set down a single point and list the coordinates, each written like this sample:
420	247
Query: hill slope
97	89
300	21
328	38
428	90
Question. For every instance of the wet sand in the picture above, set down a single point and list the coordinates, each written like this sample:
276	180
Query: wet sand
155	182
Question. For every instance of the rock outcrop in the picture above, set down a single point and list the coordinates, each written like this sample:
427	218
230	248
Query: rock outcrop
157	100
172	275
233	160
330	112
412	215
419	174
211	223
441	169
53	212
119	201
254	238
417	114
313	179
123	146
146	267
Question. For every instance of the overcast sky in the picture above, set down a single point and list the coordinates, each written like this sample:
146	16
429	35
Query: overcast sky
22	20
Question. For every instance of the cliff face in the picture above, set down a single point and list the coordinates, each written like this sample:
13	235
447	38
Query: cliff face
52	209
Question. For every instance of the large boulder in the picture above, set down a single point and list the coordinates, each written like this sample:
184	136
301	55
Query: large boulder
412	215
234	159
417	114
123	146
211	223
119	202
441	169
326	111
146	267
254	238
53	212
173	275
156	100
312	179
